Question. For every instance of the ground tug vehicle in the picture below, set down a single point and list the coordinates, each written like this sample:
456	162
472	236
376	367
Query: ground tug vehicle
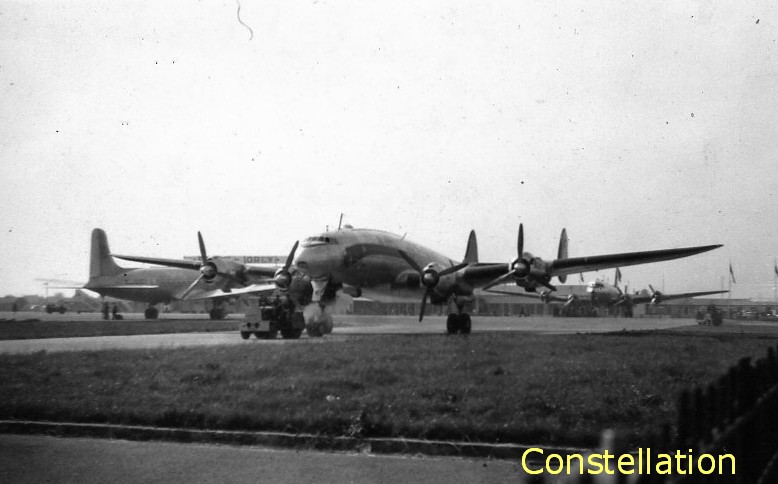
265	319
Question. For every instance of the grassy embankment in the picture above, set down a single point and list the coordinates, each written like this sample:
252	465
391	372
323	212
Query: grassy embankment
71	329
498	387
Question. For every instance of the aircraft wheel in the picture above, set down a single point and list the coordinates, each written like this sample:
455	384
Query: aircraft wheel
314	330
452	323
151	313
465	323
326	325
245	334
217	313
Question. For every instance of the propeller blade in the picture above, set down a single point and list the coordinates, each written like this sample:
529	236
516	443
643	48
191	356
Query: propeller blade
203	255
651	287
410	261
452	269
192	286
499	280
520	244
546	284
291	255
423	305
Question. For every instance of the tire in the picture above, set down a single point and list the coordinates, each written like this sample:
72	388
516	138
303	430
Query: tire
452	323
245	334
314	330
151	313
217	314
291	333
465	323
327	325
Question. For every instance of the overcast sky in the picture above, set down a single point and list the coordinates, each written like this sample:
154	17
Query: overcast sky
635	126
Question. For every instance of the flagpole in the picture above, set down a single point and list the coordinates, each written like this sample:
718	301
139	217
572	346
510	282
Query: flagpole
729	294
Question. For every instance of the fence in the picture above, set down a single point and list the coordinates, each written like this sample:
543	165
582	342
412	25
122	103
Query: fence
737	414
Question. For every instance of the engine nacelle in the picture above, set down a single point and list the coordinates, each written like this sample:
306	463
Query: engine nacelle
283	279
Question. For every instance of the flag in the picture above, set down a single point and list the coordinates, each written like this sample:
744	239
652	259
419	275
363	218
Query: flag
731	274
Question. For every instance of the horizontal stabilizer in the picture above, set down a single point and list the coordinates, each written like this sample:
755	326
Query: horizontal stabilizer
181	264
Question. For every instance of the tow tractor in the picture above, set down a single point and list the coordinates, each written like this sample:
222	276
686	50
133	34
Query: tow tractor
266	319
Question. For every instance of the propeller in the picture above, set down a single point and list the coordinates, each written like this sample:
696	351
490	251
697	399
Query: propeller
207	269
282	277
430	277
520	268
656	296
572	298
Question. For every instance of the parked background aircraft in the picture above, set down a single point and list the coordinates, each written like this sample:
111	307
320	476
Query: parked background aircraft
603	297
216	280
370	263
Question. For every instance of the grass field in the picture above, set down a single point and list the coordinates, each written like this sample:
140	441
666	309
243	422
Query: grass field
493	387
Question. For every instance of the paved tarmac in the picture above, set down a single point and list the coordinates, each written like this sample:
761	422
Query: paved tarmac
34	459
345	326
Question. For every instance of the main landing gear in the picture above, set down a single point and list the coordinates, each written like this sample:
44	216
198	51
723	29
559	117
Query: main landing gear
458	323
319	324
151	312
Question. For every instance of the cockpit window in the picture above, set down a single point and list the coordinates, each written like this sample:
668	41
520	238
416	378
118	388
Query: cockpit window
319	240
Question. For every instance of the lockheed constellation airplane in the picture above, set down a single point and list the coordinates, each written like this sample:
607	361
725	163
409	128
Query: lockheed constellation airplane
603	296
372	263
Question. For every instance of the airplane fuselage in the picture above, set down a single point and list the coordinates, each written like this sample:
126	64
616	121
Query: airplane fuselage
150	285
370	259
601	294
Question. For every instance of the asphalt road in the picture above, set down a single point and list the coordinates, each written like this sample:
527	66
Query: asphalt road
35	459
345	326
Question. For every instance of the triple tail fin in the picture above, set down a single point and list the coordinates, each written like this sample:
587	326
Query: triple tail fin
100	261
562	253
471	254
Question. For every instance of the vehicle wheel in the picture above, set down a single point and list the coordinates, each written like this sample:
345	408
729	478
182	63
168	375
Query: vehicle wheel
245	334
452	323
272	334
291	333
465	323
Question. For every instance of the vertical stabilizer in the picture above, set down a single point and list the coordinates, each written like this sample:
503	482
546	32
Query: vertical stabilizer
471	254
100	261
562	253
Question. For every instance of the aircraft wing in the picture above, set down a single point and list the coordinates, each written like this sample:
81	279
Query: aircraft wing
252	289
665	297
584	264
263	269
547	296
180	263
